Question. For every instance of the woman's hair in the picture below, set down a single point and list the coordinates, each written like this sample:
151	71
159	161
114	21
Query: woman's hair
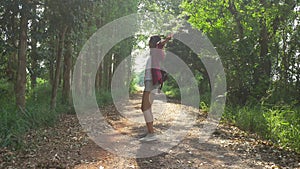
153	41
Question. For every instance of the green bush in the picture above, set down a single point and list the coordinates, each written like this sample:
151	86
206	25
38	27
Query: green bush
14	123
103	98
133	84
280	124
246	118
284	126
6	92
203	106
171	89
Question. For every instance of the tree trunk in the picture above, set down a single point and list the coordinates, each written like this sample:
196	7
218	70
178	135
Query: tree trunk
263	71
78	77
266	60
234	12
87	76
105	72
129	71
13	58
51	71
54	46
12	67
99	78
34	55
67	74
110	74
21	70
33	71
58	67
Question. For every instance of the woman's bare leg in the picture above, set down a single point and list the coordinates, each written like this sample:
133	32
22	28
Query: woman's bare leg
146	106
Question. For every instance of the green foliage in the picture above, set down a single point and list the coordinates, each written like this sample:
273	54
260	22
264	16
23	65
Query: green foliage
256	42
163	13
15	123
280	94
284	126
247	118
236	28
204	107
170	88
205	98
103	98
133	84
6	92
281	124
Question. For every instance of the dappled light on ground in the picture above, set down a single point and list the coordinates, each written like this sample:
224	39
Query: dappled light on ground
67	146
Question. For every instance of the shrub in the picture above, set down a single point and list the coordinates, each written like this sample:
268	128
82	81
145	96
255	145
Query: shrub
280	124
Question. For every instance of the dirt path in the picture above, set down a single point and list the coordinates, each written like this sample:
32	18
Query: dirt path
67	146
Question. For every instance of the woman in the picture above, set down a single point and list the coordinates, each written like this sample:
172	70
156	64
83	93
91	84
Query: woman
153	80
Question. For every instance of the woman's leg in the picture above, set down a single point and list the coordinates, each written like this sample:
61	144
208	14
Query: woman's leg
147	101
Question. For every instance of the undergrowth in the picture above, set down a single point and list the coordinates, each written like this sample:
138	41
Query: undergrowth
279	124
14	123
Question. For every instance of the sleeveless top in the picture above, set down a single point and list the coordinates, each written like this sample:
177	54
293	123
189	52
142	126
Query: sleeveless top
152	72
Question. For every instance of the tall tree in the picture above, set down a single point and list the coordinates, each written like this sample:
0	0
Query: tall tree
63	18
21	71
245	33
66	97
33	67
106	12
61	42
9	23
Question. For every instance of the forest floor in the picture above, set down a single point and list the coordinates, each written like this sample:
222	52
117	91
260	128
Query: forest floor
66	145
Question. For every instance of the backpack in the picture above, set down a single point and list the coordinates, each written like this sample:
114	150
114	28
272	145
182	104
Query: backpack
164	75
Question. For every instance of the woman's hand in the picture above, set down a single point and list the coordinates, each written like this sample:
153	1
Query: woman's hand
170	36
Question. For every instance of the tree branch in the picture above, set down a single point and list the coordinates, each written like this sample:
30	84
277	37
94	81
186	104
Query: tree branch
236	16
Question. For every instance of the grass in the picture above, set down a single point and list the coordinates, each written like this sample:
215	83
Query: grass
15	123
280	124
284	126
